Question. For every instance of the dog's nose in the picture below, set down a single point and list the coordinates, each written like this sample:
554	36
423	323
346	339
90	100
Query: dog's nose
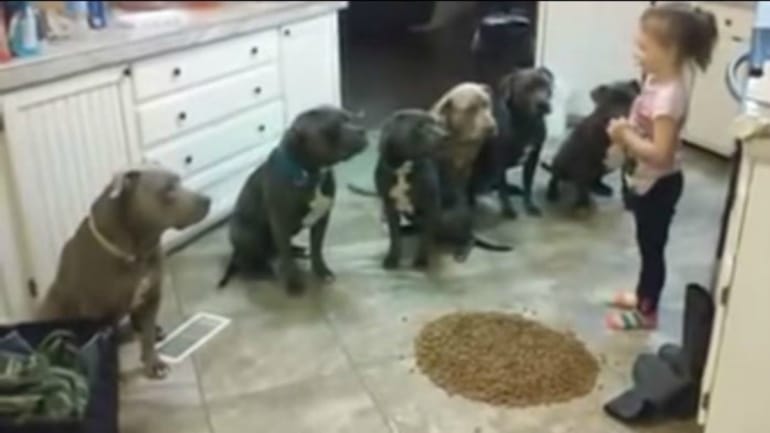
205	203
544	107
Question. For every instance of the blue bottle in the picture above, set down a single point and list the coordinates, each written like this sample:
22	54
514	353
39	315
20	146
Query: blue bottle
97	15
23	32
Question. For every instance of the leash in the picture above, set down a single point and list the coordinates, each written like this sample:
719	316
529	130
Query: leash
107	244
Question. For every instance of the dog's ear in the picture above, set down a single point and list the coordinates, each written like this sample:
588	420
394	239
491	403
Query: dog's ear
599	94
546	73
635	85
443	111
487	89
122	182
507	85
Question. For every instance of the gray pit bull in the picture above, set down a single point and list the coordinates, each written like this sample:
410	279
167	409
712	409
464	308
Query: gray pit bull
407	181
292	190
584	157
112	267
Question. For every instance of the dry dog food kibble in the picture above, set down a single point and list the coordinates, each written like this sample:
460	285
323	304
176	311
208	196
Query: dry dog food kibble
504	359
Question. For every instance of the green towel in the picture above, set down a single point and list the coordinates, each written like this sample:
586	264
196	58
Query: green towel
49	384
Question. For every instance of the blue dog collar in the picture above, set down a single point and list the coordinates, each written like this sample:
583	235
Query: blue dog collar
290	168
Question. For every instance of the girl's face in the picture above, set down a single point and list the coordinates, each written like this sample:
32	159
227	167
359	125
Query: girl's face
651	55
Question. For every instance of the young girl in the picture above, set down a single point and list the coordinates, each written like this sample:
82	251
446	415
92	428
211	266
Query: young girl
672	38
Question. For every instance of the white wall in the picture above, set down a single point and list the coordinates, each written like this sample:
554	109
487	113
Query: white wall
586	43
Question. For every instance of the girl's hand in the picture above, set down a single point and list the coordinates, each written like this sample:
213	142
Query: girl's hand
617	130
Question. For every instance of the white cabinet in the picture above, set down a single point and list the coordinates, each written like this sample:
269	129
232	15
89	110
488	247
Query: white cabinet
212	113
63	141
309	53
587	43
738	369
712	108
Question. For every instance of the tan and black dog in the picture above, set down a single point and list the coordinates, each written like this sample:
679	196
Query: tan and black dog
112	267
294	189
466	112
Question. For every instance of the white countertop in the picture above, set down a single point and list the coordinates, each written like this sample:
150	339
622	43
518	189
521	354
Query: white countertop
115	46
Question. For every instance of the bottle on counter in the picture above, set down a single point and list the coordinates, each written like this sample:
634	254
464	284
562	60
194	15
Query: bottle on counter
97	14
5	50
77	11
23	32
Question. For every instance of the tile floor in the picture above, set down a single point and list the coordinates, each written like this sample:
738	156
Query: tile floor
339	360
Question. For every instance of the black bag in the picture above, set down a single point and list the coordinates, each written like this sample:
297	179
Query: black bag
667	384
102	409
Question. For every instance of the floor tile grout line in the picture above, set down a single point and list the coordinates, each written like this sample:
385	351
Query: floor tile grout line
194	360
202	395
355	368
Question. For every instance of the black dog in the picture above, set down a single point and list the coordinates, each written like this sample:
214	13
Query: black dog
407	181
520	108
583	157
292	190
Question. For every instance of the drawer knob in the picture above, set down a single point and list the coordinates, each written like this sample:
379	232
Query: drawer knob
287	32
188	159
261	128
176	72
254	51
182	116
257	90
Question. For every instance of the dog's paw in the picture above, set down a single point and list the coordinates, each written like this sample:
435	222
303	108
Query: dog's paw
421	262
510	213
323	273
552	195
295	286
156	368
533	210
601	189
390	262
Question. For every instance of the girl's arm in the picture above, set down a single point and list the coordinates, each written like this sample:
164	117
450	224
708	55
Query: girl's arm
657	152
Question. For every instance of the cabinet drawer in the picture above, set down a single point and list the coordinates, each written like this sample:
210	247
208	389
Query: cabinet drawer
222	183
179	113
176	71
197	151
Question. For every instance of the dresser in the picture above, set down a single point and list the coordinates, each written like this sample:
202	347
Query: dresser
209	110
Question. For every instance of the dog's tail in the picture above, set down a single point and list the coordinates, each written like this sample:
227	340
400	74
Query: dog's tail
231	270
488	245
359	190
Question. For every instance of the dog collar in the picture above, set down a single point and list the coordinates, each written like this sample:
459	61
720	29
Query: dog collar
109	246
291	169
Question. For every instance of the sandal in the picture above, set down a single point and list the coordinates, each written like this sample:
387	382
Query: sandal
624	301
631	321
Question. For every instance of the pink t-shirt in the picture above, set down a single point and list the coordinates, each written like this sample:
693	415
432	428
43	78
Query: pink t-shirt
667	98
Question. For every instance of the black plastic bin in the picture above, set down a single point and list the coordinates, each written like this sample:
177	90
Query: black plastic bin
102	411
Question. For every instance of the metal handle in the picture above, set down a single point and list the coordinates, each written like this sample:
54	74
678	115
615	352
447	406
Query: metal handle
731	76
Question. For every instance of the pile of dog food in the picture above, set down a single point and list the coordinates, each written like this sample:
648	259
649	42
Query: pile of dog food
504	359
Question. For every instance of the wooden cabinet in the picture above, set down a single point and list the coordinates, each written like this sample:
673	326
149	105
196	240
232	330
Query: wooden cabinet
64	141
310	64
712	108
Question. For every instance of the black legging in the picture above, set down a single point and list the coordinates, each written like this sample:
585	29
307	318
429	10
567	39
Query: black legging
653	213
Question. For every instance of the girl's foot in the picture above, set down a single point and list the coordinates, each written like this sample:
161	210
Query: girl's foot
624	301
631	321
